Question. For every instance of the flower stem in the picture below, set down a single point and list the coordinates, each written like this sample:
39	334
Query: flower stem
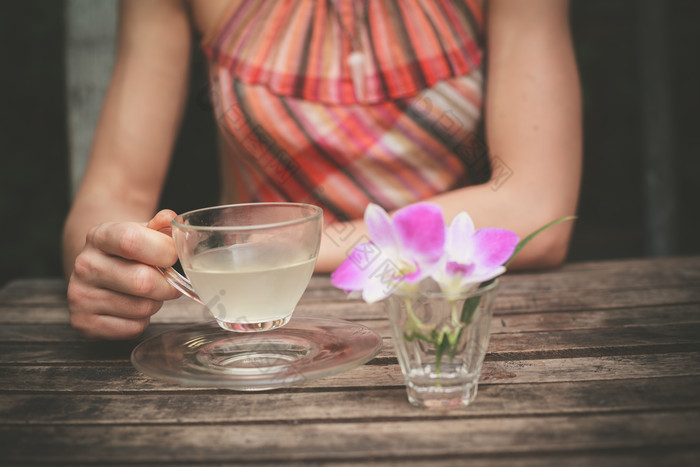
446	340
414	327
455	313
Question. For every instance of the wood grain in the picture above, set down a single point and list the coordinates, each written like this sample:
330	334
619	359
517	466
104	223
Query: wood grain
590	364
587	397
314	442
123	377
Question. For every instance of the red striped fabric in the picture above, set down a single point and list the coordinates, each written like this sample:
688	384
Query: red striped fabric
295	128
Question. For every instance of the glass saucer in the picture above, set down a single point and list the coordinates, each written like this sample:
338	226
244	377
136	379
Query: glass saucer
302	350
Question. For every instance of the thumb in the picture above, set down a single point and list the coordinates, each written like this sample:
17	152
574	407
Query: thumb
161	221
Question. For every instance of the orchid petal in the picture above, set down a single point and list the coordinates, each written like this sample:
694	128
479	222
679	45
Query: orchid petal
420	230
354	272
493	246
453	268
487	275
379	227
376	289
458	244
414	277
466	283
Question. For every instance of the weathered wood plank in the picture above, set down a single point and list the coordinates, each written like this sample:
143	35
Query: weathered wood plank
72	354
638	457
502	323
519	345
124	378
593	341
585	277
272	442
34	292
594	319
526	399
654	456
603	300
182	311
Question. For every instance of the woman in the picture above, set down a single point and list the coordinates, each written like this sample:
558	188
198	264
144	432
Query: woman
332	102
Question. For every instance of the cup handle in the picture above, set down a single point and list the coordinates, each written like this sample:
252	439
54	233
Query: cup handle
177	280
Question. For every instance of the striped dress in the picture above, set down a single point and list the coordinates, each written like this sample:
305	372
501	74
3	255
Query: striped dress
297	127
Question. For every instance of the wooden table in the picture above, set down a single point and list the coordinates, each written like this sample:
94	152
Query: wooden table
593	364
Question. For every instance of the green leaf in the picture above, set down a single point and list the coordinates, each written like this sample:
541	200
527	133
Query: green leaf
443	343
455	342
470	306
527	239
454	336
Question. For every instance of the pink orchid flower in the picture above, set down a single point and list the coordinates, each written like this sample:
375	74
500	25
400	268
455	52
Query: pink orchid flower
472	256
402	251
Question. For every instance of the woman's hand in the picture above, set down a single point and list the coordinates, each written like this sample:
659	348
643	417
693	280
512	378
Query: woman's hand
114	288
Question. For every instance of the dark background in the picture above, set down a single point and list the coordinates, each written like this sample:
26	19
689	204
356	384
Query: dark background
611	46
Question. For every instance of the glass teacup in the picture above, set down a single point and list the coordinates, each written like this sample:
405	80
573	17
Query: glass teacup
248	264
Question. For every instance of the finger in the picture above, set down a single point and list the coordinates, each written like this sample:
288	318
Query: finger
85	298
161	220
114	328
133	241
108	327
103	271
100	313
94	301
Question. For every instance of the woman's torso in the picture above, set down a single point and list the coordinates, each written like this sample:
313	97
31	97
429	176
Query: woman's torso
295	125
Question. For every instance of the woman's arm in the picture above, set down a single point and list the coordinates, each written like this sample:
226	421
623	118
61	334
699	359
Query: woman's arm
533	127
111	294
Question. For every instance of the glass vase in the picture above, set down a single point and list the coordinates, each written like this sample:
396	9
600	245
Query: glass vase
440	342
